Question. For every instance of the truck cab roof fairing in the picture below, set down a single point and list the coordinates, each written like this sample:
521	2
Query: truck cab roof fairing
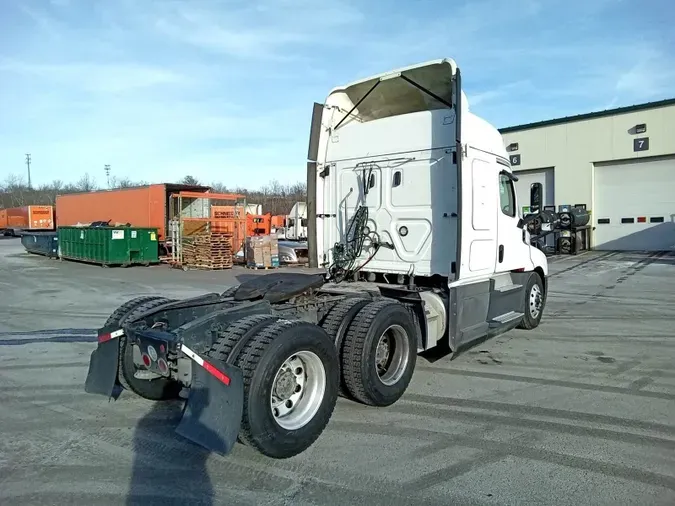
388	94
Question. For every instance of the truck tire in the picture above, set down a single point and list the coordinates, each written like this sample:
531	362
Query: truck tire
535	300
297	362
237	335
116	316
155	389
336	323
377	328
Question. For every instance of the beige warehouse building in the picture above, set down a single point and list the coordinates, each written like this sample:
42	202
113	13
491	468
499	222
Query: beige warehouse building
619	162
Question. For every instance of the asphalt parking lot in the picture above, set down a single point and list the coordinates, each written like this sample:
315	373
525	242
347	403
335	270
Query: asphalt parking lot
579	411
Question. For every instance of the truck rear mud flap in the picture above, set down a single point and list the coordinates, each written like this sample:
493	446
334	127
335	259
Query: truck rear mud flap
213	411
103	364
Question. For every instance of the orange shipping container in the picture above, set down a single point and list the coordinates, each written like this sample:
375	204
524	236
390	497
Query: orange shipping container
40	218
27	218
144	206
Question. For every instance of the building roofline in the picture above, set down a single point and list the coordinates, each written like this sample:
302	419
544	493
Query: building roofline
589	115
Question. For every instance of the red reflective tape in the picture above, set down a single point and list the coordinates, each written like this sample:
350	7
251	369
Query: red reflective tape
103	338
210	368
217	373
642	219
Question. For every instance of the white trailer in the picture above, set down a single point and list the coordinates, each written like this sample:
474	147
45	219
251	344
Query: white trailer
413	213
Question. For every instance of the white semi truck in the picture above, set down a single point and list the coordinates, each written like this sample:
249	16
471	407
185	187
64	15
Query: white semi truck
413	214
296	222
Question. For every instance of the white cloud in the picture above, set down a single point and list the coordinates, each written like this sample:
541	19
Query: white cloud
97	77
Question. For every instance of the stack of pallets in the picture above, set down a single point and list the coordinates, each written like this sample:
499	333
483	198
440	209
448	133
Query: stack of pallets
208	250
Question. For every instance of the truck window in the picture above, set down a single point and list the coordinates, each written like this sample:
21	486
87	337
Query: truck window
507	196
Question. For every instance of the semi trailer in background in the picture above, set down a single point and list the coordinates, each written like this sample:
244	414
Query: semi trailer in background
15	220
413	215
143	206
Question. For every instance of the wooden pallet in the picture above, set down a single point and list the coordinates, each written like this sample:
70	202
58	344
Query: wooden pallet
212	251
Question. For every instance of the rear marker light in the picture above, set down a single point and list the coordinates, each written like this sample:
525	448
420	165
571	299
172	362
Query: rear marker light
146	360
642	219
162	365
112	335
210	368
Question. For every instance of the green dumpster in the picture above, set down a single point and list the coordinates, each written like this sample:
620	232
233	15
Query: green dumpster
109	245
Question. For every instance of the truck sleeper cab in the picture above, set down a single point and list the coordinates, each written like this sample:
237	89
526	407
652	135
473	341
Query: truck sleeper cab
437	187
412	213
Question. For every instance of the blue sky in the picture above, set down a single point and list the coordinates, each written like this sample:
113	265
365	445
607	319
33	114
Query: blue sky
223	90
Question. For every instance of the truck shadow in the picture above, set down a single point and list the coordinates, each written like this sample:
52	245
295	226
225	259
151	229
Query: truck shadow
180	475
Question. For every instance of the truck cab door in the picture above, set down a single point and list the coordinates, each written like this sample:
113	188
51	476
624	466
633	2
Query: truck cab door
512	252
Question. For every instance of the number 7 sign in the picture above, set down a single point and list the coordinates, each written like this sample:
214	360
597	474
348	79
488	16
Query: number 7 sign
641	144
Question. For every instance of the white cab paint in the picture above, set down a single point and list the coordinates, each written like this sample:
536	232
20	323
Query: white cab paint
408	140
296	222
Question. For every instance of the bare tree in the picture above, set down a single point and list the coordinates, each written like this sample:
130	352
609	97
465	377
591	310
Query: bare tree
86	183
275	197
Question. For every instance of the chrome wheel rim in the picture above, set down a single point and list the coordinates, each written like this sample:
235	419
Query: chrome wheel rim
535	301
391	355
297	390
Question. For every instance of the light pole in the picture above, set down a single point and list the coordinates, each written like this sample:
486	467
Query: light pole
28	165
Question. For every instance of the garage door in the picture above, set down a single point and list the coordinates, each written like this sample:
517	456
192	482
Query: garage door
634	208
527	177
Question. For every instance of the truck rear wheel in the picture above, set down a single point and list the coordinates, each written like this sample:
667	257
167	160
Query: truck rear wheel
290	387
534	302
154	389
237	335
336	324
380	353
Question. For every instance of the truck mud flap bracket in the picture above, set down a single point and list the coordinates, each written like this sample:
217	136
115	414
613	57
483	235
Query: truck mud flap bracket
213	411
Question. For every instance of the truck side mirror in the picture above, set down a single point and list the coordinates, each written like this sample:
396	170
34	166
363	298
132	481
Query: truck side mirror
536	191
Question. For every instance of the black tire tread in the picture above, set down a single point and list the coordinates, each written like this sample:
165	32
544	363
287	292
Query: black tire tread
353	346
120	312
226	340
332	323
527	323
248	362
